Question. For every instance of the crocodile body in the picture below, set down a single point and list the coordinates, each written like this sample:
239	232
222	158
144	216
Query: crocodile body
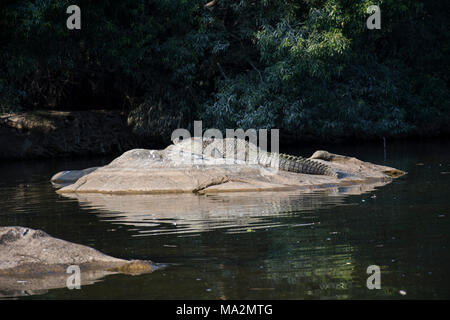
242	150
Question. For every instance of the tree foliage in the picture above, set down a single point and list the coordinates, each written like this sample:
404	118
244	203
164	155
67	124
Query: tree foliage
309	67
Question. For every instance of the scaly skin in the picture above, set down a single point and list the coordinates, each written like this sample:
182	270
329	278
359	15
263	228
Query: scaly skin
299	164
241	149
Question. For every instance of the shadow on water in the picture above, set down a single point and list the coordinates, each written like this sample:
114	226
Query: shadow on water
256	245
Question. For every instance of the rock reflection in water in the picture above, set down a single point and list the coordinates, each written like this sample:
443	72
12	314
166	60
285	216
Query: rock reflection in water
189	214
29	285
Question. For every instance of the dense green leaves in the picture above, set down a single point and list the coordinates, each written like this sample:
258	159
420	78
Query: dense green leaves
322	73
310	68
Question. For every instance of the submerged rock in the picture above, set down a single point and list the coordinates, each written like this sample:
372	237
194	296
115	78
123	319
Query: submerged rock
33	260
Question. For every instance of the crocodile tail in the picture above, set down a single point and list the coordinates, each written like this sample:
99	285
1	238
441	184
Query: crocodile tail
303	165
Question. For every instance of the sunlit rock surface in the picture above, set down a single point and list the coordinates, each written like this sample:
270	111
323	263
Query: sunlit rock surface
142	171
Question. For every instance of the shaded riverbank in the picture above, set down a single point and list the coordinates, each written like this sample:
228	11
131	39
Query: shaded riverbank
63	134
50	134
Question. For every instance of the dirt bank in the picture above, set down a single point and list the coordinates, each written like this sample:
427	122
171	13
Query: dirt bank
45	134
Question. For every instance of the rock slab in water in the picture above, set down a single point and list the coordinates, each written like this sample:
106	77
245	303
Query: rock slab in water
142	171
32	262
27	251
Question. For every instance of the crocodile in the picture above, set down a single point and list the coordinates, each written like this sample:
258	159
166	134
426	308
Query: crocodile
242	150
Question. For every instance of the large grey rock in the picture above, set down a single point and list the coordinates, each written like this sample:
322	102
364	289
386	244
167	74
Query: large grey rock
24	250
32	260
141	171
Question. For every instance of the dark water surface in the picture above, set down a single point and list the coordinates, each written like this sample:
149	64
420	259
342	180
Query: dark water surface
258	245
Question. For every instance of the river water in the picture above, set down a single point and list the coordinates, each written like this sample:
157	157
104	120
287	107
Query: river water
256	245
